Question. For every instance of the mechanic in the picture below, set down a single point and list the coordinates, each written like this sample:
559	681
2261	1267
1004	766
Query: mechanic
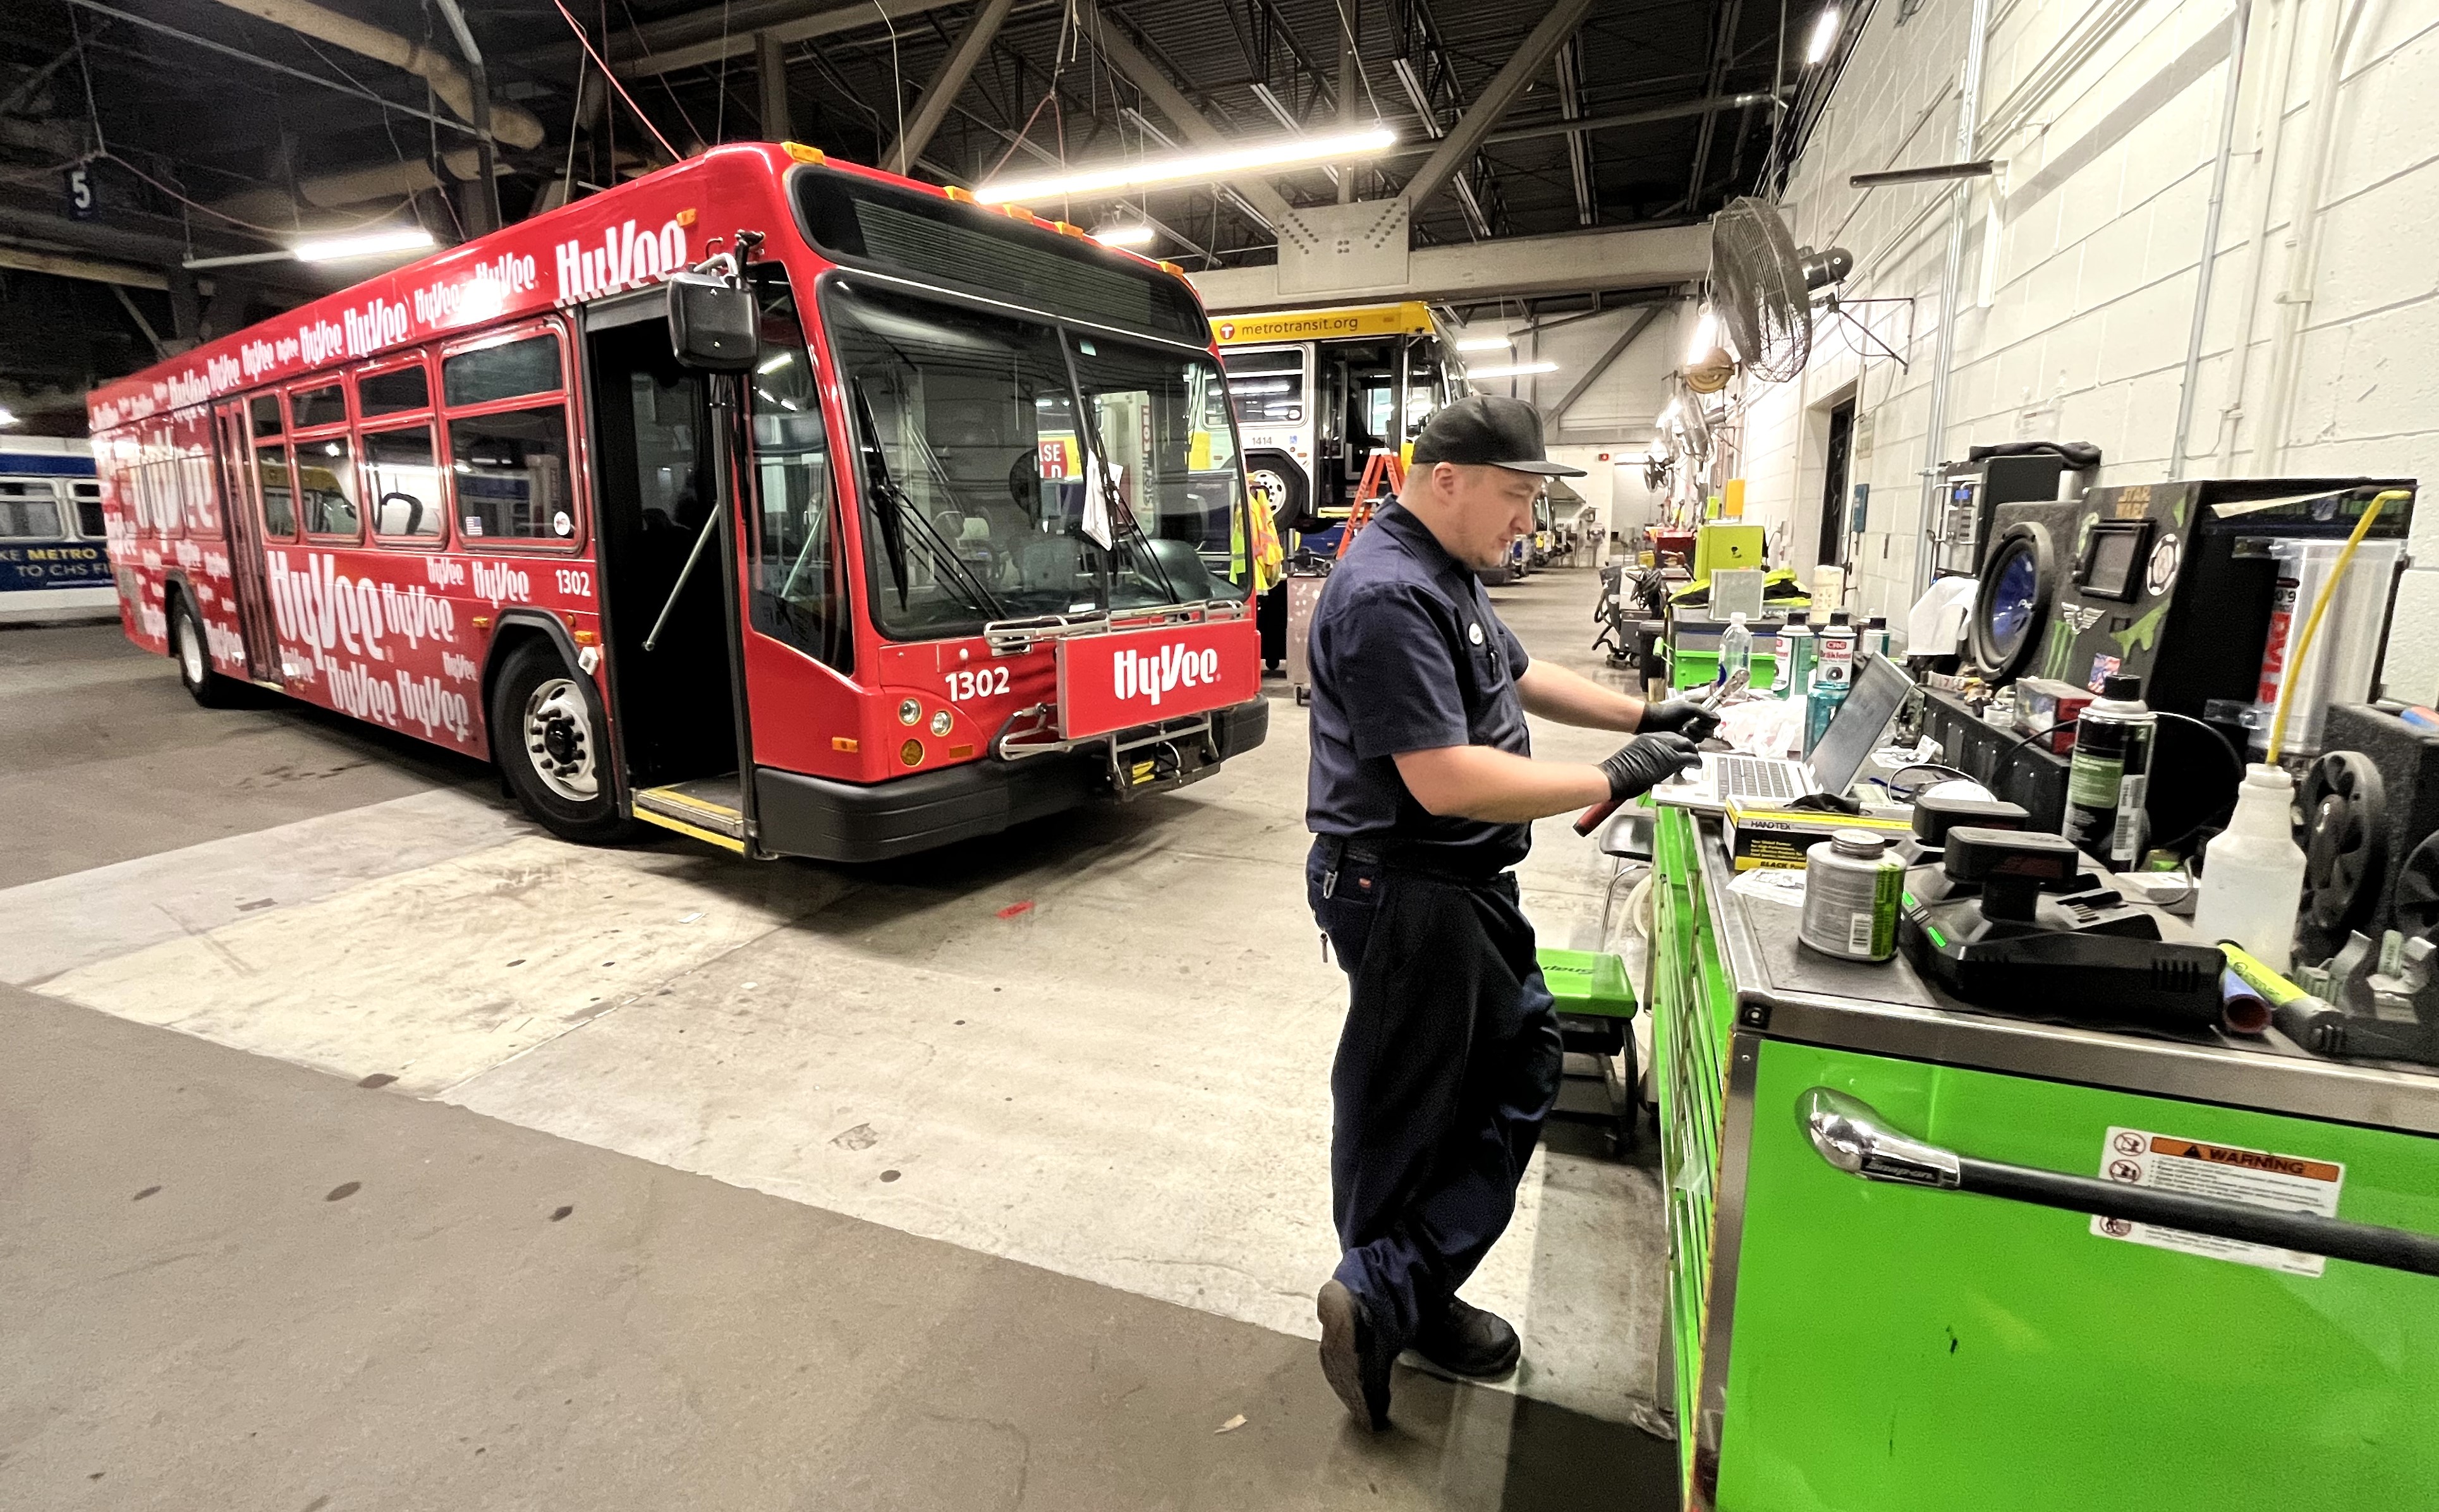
1422	790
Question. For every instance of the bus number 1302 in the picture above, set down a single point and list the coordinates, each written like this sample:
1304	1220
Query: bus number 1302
981	683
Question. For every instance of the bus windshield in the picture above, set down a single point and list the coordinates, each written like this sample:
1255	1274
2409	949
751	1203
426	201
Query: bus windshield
976	473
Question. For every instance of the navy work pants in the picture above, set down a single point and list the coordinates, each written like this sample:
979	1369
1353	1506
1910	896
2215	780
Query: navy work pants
1448	1064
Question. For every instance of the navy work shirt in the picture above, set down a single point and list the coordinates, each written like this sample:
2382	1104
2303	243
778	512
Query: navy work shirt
1407	656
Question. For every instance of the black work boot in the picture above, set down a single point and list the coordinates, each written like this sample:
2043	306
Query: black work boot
1353	1355
1471	1342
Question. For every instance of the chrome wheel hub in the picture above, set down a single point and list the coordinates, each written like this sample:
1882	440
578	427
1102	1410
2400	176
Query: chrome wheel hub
560	740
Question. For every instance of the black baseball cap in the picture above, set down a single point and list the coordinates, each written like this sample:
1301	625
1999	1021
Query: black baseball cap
1490	431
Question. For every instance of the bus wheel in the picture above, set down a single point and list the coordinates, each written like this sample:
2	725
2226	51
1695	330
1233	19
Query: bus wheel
192	652
551	741
1279	482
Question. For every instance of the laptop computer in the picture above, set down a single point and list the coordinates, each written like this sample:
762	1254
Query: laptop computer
1726	777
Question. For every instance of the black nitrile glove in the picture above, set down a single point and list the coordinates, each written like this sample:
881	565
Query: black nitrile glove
1648	760
1678	717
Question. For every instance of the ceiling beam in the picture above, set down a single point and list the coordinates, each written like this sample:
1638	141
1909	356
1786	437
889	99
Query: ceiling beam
1465	137
1164	96
1602	364
948	82
791	21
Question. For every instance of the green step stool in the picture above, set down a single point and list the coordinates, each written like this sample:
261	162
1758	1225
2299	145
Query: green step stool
1595	1004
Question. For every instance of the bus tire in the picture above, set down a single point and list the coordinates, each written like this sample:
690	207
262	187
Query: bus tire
1278	475
551	742
192	650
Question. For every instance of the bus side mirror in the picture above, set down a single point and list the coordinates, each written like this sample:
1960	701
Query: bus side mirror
713	325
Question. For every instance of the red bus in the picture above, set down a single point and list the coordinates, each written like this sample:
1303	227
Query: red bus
959	538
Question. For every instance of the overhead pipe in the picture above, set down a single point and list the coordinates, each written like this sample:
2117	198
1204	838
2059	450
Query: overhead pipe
1969	125
487	188
2303	223
513	125
2270	134
2188	379
331	191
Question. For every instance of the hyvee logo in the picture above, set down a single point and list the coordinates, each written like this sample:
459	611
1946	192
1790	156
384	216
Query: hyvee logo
1149	674
624	260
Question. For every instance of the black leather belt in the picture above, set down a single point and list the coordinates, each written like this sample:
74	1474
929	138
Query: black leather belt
1337	850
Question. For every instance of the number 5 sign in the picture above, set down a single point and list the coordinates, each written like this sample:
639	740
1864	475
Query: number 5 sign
77	181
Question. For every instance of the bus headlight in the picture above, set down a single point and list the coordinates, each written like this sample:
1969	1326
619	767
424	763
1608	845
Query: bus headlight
940	722
909	711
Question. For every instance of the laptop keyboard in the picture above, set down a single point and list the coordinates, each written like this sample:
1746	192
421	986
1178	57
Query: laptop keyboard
1744	776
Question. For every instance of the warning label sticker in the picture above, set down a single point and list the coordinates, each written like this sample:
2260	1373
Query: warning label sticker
2226	1173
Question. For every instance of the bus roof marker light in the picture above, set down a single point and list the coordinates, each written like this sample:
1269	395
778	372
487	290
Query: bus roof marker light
1187	168
1824	33
803	153
685	220
371	244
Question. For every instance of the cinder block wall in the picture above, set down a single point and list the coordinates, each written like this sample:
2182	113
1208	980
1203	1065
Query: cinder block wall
2081	262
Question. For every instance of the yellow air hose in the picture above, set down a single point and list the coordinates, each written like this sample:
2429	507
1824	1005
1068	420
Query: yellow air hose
2312	625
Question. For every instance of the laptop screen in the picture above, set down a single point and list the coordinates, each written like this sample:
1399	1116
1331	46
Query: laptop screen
1880	691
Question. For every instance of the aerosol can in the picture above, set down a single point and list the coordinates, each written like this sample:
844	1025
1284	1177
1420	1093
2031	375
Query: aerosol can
1835	649
2109	773
1793	675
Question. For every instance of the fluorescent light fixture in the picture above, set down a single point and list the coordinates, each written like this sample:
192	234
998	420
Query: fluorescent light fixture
1124	234
8	417
1931	173
1511	370
1188	168
1706	337
373	243
1824	35
774	365
1486	344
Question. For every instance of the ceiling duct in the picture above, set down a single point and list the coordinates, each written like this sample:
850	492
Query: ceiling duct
511	125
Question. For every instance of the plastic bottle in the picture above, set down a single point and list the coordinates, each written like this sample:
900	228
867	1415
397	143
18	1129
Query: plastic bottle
1876	635
1792	671
1834	649
2252	872
1821	706
2109	773
1735	648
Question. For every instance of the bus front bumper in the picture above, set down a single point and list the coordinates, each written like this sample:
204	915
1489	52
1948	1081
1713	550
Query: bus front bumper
828	820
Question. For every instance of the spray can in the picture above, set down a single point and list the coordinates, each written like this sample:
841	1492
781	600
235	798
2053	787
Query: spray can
1792	673
1835	650
1850	897
2109	775
1876	635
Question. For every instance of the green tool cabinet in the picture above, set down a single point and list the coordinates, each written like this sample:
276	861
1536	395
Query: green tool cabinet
1866	1345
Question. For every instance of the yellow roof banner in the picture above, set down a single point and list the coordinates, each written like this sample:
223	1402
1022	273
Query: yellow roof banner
1412	318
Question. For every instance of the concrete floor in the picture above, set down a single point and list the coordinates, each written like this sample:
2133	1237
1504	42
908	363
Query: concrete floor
993	1178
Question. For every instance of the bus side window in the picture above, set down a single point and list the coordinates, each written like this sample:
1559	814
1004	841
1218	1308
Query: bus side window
511	472
326	480
799	576
30	510
278	501
402	483
88	509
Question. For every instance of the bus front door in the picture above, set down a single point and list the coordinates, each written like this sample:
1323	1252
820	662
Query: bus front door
664	528
241	518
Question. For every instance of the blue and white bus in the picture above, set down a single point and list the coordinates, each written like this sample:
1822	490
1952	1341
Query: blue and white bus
54	563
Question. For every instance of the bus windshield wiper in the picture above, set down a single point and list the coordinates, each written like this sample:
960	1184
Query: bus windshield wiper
896	511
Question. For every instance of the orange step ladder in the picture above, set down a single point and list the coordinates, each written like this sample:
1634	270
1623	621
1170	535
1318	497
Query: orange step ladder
1385	468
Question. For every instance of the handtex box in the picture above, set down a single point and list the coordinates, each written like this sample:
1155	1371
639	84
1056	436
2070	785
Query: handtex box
1761	836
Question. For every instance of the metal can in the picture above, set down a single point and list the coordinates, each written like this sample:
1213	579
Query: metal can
1850	897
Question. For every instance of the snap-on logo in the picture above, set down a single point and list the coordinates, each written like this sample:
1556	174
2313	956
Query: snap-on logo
624	260
1151	674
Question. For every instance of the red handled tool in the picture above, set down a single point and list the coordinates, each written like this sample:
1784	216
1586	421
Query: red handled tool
1593	817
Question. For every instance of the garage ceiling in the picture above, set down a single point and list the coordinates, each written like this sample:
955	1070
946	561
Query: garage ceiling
217	126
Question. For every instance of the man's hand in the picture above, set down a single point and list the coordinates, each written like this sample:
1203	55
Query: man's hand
1648	760
1679	716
